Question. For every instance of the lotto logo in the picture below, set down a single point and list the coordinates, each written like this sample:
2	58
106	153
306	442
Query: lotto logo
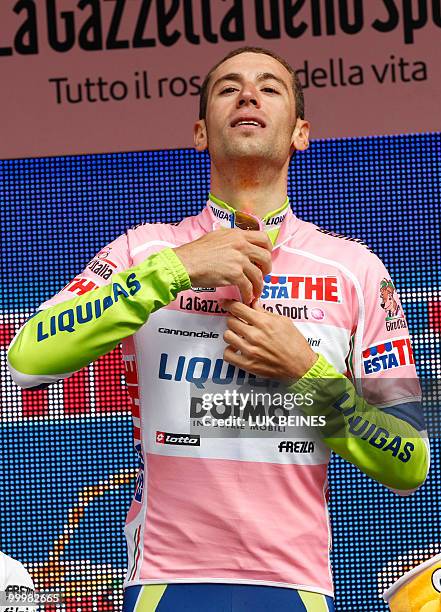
163	437
291	286
392	354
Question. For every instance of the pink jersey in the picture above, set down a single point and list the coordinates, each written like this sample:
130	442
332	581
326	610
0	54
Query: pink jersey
241	509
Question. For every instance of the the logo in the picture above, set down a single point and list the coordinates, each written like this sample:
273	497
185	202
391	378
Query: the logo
199	370
199	304
80	285
292	312
101	265
83	313
298	446
276	220
296	313
187	333
377	436
389	302
391	354
104	254
318	314
291	286
177	439
203	289
225	215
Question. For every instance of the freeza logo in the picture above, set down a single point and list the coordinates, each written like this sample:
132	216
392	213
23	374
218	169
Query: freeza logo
392	354
162	437
317	288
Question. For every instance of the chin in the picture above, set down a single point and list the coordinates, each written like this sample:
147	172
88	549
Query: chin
249	149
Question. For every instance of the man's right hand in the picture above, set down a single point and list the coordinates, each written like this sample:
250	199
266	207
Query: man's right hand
228	257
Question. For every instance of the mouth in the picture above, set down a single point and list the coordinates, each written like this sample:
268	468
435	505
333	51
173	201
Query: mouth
247	122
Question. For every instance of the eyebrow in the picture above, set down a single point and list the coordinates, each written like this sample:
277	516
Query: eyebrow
262	76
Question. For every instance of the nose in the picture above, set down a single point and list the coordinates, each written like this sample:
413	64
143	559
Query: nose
248	95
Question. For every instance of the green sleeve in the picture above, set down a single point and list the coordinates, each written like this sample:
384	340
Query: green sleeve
67	336
385	447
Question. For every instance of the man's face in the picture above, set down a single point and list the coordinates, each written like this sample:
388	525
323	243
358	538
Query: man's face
250	110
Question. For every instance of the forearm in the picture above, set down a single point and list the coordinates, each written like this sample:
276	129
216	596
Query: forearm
385	447
67	336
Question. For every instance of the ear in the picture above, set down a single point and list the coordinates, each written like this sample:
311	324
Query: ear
200	135
300	135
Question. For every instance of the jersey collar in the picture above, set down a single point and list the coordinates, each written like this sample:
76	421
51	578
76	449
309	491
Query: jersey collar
224	214
284	230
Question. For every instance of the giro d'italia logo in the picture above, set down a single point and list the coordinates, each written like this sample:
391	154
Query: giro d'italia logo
389	302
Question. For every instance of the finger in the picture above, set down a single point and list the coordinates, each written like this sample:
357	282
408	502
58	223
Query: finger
239	327
260	257
246	288
231	355
256	305
242	311
259	238
236	341
254	274
234	349
226	303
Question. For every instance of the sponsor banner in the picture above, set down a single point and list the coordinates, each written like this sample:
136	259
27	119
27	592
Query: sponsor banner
100	76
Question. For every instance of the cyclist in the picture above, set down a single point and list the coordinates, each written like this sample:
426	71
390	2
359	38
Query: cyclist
239	523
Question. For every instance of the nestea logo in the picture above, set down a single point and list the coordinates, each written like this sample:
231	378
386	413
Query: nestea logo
294	287
392	354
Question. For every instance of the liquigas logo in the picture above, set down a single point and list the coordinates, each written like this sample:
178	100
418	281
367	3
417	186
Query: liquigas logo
295	287
391	354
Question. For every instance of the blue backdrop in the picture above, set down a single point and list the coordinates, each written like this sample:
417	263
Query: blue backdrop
58	212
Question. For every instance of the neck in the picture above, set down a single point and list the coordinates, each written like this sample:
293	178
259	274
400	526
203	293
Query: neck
255	190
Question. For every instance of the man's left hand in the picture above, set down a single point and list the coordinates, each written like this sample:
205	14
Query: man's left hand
265	344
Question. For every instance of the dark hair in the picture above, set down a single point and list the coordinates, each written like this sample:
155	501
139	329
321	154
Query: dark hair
296	85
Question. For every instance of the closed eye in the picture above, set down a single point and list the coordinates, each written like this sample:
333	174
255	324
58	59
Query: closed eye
233	89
